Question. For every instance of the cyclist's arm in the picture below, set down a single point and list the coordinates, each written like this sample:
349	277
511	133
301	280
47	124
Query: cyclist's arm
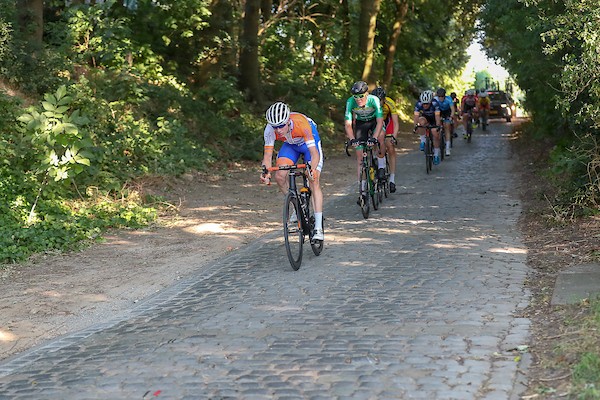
349	130
379	132
416	117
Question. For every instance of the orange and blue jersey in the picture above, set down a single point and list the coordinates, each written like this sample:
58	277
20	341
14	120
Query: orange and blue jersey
301	136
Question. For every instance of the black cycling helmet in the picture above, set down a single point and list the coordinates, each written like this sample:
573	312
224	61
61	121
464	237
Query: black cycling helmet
379	92
441	92
453	95
359	87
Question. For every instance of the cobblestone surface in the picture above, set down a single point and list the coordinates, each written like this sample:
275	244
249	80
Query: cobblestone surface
420	301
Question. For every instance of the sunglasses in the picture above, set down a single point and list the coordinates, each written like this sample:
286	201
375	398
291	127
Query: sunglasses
279	126
360	96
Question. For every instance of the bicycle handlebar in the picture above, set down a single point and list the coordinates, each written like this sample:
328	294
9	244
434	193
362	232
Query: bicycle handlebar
292	167
371	142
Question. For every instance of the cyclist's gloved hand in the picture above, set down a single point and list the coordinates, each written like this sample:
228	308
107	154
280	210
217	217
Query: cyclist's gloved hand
371	141
354	142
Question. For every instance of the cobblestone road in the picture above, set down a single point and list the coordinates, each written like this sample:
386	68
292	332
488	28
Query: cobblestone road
422	300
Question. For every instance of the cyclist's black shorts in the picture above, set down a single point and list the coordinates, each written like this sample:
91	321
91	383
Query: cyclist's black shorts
430	120
364	129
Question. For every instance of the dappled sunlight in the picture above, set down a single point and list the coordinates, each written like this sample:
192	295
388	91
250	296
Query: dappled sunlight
352	239
389	231
212	227
51	293
450	246
508	250
7	336
211	208
272	307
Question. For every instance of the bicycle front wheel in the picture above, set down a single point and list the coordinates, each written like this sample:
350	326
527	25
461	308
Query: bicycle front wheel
292	230
428	153
363	189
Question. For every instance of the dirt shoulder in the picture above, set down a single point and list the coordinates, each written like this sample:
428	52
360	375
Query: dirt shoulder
554	244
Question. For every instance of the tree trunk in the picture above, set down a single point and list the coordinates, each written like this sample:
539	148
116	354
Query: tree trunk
345	17
31	21
388	70
366	34
249	66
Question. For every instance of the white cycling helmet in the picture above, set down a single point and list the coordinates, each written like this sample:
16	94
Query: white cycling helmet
278	114
471	92
483	93
426	96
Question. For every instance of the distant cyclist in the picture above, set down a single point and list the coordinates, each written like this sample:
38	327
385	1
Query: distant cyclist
468	106
364	119
484	106
427	112
392	127
300	137
447	114
456	102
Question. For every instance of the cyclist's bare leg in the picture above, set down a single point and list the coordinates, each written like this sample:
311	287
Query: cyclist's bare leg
281	177
421	129
436	138
317	192
447	131
391	154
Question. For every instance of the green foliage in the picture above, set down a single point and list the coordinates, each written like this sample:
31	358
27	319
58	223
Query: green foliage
555	60
56	137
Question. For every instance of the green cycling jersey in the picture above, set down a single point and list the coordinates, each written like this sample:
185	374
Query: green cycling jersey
370	111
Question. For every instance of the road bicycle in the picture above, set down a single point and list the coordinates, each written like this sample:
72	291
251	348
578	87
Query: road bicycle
369	186
469	131
428	146
298	216
385	184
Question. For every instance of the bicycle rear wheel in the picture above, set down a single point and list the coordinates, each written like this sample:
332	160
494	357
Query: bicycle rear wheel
292	231
469	130
364	192
386	183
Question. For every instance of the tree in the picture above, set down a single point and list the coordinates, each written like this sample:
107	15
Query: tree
366	34
31	21
249	64
390	54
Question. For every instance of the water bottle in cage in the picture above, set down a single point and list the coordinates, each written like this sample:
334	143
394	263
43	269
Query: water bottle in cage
305	194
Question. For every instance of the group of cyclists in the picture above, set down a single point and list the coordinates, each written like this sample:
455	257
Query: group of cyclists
368	117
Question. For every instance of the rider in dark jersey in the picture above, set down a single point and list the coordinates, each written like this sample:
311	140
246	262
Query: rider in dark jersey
468	106
427	113
447	113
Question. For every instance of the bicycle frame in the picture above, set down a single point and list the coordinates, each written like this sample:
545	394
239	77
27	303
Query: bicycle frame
303	195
